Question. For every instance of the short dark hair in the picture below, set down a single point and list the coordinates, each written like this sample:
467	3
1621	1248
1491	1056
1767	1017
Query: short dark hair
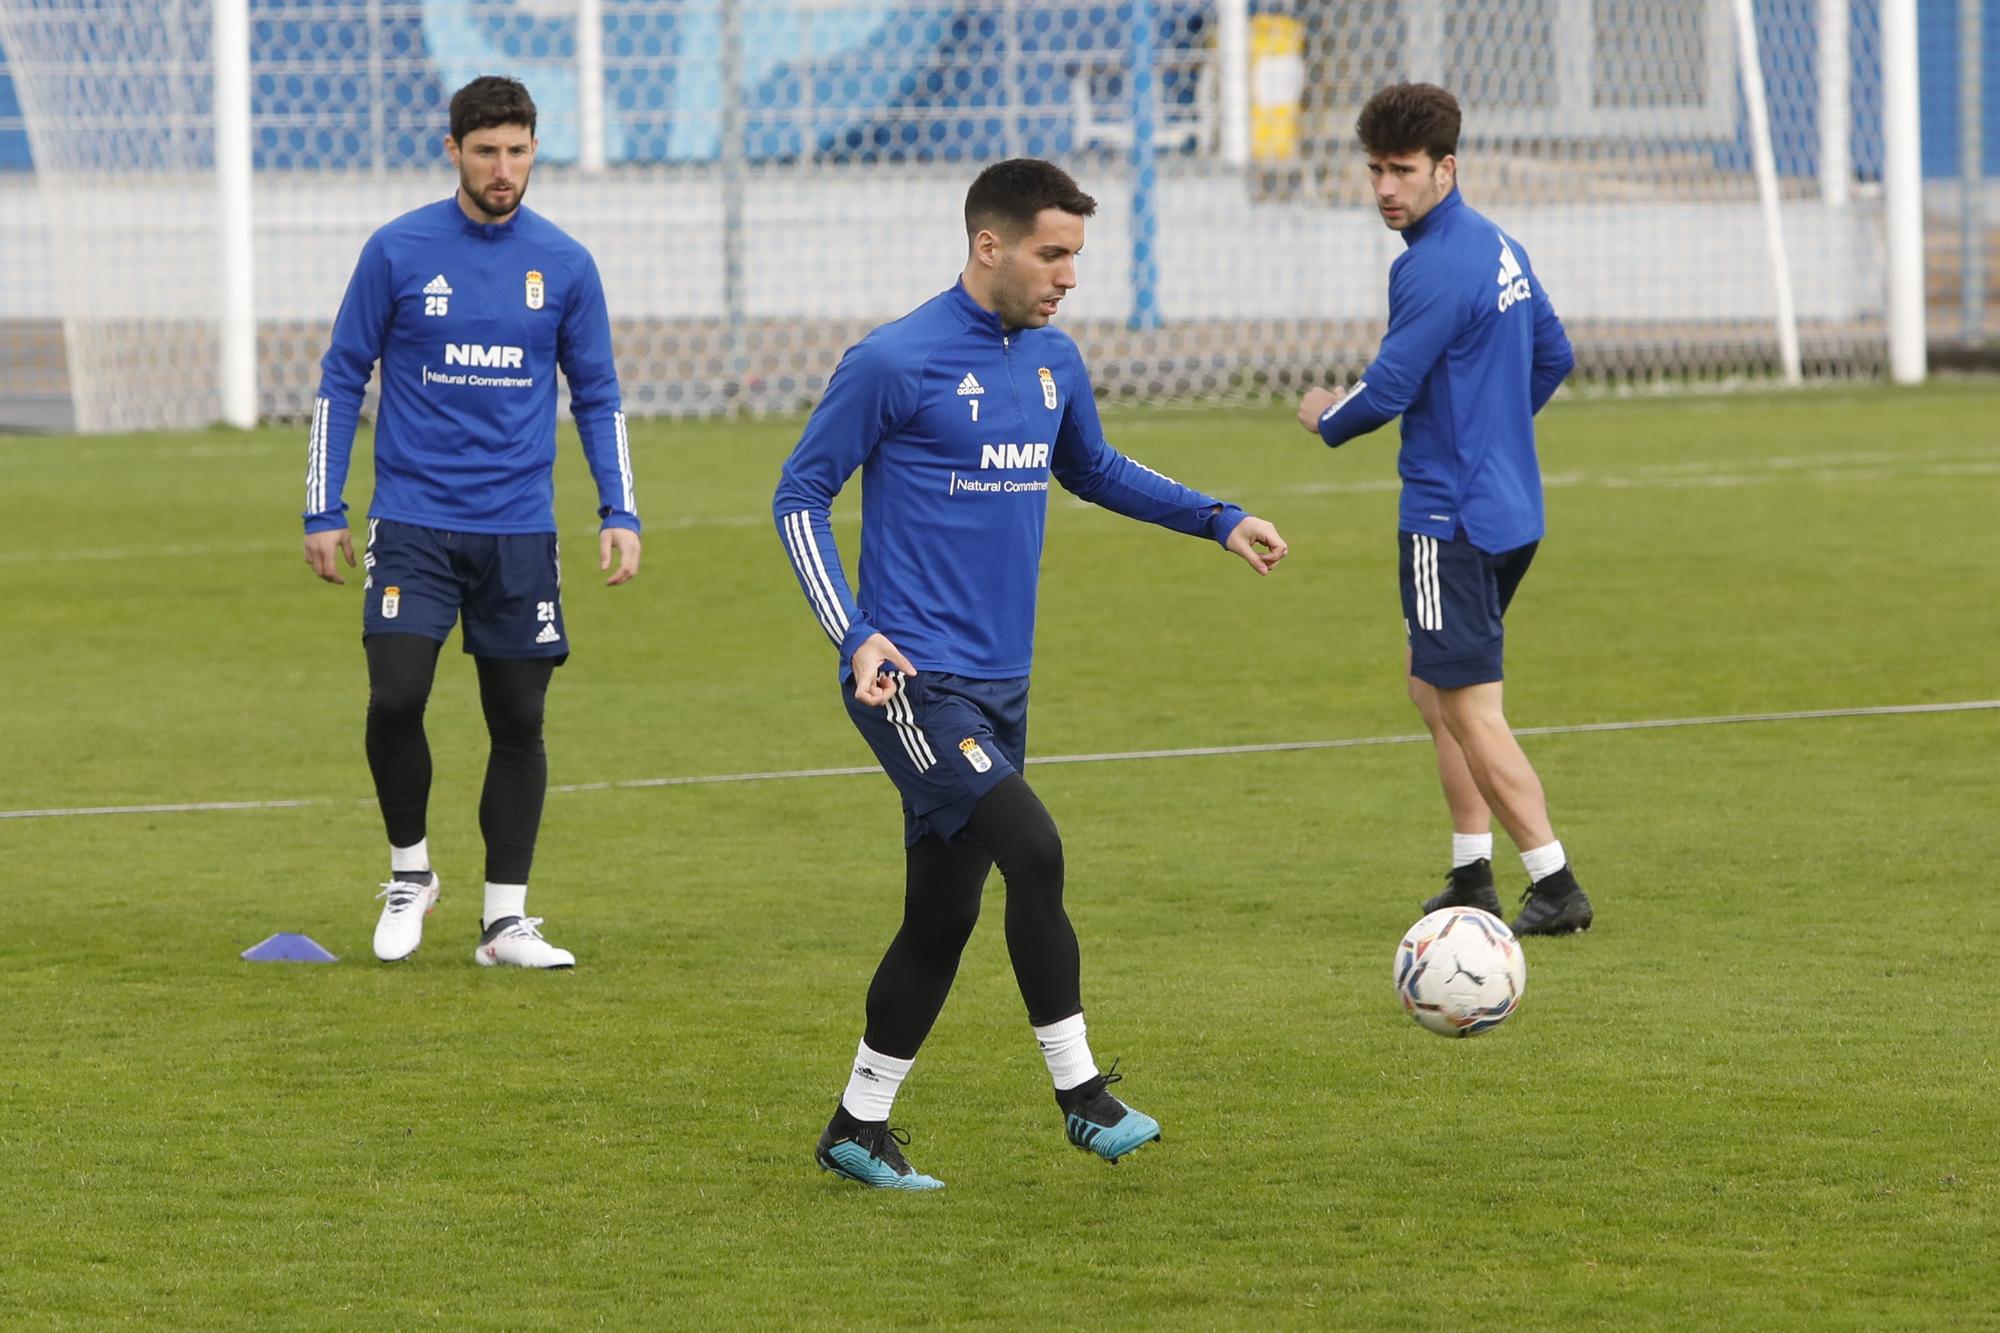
488	101
1008	195
1409	118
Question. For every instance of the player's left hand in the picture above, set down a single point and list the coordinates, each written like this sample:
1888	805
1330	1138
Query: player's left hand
1314	405
1252	533
626	543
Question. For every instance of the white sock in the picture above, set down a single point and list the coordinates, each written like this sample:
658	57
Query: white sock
1541	862
1067	1053
414	857
1469	847
872	1087
504	900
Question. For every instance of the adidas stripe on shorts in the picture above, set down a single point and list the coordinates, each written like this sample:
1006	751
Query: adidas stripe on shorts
1454	596
945	741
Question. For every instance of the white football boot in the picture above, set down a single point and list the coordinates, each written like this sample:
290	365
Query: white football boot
401	927
513	941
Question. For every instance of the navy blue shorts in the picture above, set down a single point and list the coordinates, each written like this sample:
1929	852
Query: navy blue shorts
508	587
1454	595
945	741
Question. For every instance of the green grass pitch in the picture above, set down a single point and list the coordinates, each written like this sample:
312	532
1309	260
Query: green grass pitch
1760	1094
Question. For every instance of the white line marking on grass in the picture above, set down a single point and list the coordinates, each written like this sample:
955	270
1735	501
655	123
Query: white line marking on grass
147	552
188	808
20	453
1572	729
295	548
1194	752
1857	466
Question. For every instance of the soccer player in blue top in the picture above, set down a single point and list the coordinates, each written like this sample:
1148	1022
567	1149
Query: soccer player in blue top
958	416
471	305
1472	352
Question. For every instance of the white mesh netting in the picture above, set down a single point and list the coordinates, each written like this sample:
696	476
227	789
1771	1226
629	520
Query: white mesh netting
763	180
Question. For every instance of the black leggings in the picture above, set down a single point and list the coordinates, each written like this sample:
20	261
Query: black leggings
1012	828
511	693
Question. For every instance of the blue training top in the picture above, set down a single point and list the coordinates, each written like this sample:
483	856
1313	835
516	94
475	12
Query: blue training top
470	321
957	424
1473	351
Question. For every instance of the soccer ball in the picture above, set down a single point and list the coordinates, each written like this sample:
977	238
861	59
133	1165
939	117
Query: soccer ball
1459	971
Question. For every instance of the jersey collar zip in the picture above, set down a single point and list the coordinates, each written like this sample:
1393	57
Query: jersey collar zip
485	231
975	315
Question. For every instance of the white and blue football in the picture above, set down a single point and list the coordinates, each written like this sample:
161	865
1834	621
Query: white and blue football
1460	972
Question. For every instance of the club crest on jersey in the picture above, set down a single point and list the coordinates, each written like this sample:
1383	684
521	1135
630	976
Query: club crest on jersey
392	602
1048	388
534	289
974	755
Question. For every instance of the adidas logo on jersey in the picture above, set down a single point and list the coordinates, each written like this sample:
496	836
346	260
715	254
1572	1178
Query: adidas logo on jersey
969	386
548	635
437	287
1513	283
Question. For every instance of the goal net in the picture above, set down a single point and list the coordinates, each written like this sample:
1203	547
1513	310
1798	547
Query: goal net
763	180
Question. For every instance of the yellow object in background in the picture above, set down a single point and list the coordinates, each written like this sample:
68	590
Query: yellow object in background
1277	86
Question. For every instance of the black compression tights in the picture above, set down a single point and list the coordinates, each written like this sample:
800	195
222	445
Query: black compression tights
400	668
1009	827
511	693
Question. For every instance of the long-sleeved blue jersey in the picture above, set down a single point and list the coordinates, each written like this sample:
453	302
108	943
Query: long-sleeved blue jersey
470	322
957	425
1473	351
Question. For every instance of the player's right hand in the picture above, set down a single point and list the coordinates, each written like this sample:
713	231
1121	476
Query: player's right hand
1314	405
1252	533
874	685
323	552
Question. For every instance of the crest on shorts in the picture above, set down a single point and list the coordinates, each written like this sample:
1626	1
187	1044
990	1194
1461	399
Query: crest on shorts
535	290
1048	388
974	755
392	602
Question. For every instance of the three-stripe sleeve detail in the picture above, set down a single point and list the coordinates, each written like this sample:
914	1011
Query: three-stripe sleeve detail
316	458
904	718
629	499
1345	399
1156	472
812	573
